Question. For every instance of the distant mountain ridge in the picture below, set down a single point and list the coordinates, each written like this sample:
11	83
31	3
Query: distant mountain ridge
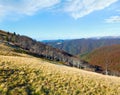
59	40
82	46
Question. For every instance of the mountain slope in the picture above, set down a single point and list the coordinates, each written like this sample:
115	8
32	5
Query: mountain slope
107	57
22	74
41	50
82	46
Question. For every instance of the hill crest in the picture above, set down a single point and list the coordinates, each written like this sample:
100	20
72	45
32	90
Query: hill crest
42	50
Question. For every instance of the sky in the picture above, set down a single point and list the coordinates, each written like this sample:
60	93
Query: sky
61	19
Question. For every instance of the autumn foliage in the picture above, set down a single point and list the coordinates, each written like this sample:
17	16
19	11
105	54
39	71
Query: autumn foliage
106	57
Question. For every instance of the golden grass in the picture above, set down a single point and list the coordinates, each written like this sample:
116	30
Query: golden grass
33	76
9	51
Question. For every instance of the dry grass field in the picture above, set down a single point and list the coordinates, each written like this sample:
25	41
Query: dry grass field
21	74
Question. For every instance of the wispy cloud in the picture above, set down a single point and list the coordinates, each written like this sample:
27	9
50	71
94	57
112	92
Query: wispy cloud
24	7
31	6
80	8
113	19
75	8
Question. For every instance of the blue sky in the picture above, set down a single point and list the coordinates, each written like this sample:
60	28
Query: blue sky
61	19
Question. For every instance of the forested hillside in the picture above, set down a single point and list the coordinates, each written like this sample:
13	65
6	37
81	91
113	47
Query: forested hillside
107	57
82	46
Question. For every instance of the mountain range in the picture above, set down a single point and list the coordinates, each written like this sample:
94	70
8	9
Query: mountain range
57	55
103	52
83	46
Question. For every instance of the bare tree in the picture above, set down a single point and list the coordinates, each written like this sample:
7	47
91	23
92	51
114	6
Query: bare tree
106	67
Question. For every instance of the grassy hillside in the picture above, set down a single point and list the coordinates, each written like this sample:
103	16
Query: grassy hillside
8	50
106	57
42	50
21	74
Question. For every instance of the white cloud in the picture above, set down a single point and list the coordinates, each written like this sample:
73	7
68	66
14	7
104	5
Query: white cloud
113	19
76	8
31	6
80	8
24	7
